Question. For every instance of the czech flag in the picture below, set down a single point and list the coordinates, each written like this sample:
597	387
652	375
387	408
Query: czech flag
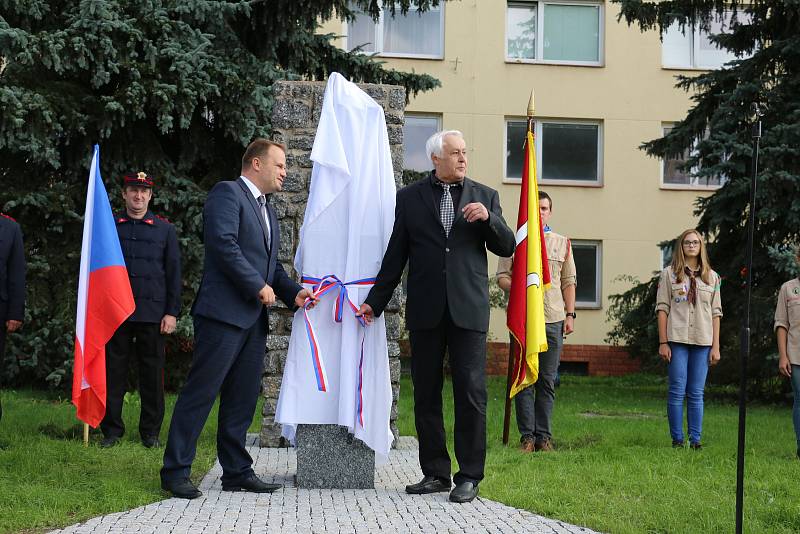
530	278
105	300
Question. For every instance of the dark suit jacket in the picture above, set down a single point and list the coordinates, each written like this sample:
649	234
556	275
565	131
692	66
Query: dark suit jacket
442	270
12	272
237	263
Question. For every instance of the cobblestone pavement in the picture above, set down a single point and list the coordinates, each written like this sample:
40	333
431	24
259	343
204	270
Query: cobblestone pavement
387	508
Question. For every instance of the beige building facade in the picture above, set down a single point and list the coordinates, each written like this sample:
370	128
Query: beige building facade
601	89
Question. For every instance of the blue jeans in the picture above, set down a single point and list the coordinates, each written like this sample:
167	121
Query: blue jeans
687	378
796	407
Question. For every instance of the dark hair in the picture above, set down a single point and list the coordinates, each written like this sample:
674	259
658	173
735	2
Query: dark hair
542	195
258	148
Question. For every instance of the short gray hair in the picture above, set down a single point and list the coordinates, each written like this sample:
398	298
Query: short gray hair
435	143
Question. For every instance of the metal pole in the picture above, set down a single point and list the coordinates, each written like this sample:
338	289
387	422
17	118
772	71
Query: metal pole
744	349
509	378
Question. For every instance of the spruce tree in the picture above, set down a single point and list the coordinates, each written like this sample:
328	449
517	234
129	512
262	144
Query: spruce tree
175	88
717	128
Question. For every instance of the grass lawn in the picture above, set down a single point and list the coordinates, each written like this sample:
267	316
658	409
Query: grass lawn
614	469
48	479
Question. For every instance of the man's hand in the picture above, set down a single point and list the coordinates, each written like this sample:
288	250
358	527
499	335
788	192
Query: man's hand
13	326
785	366
475	211
713	356
365	311
266	295
301	297
569	325
168	324
665	352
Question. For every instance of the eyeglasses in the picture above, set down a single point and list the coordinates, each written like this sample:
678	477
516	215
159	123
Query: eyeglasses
694	243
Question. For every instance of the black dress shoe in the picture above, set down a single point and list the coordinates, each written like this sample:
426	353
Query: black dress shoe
252	484
109	441
181	488
429	484
464	492
151	442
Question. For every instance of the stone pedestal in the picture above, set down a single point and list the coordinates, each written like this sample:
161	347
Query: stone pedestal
329	457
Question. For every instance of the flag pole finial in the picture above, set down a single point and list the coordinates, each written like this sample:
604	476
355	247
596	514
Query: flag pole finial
531	106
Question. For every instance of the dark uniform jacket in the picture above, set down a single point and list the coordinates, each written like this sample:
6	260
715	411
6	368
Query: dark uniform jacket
152	257
442	271
12	271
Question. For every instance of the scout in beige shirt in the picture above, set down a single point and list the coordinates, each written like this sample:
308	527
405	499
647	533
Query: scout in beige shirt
787	330
787	325
534	404
689	310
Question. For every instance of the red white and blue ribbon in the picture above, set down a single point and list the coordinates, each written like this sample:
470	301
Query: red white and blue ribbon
319	287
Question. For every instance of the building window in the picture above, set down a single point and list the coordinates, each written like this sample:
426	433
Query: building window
415	34
675	176
416	131
567	152
691	47
555	32
588	262
666	254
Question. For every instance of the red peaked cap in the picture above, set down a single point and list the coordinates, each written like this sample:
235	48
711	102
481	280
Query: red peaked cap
139	179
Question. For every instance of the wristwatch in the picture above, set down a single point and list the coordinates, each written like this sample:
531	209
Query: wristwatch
572	314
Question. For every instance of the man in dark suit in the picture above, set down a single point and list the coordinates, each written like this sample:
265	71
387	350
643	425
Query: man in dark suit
150	247
12	281
241	279
443	225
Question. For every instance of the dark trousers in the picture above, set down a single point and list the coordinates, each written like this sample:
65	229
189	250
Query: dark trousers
2	354
144	342
534	404
467	358
230	361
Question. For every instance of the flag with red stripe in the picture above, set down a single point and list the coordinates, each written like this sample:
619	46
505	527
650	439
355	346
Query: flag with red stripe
530	278
105	299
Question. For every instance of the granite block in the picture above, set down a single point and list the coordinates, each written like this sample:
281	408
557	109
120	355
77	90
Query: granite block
329	457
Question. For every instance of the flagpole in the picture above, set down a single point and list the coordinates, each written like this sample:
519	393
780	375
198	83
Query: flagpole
510	376
85	434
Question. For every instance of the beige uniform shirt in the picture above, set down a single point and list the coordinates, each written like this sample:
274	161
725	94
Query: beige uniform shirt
689	324
562	274
787	315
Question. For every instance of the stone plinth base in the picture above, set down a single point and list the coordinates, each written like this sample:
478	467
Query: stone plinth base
329	457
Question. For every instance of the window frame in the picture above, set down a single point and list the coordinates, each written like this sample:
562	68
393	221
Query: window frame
539	52
420	115
378	38
538	122
598	262
694	184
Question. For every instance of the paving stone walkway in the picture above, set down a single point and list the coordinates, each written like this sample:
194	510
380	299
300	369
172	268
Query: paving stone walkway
387	508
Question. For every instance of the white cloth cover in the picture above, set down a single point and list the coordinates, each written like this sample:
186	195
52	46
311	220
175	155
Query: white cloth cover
346	229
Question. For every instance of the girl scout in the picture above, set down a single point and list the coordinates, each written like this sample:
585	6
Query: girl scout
688	308
787	330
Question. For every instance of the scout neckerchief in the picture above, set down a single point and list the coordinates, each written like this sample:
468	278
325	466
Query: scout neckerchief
691	295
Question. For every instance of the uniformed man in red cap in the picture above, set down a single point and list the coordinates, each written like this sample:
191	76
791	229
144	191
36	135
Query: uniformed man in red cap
150	247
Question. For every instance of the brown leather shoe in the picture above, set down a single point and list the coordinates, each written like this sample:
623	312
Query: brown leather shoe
527	445
544	446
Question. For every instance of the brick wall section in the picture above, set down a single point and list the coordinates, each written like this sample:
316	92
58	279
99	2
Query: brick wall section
295	116
602	360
